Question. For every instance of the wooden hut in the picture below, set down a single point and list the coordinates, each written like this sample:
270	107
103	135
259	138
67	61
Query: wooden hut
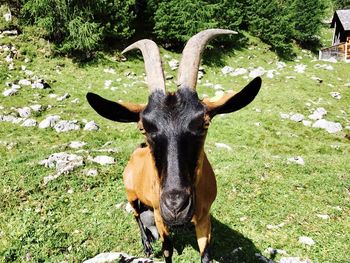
340	48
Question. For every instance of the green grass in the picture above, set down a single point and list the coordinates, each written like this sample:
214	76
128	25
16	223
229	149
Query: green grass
256	185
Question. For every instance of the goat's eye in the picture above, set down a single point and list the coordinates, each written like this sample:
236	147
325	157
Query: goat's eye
149	127
197	125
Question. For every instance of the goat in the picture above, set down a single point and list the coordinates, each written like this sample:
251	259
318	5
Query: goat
170	174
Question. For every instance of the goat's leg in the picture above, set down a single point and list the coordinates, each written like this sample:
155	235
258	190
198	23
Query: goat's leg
203	233
147	247
167	245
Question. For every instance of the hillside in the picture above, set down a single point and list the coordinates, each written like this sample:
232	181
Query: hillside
279	178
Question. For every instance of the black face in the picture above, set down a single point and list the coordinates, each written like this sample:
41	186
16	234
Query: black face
175	129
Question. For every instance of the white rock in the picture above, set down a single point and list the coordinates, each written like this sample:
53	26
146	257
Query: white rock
336	95
300	68
173	64
65	126
117	257
297	117
7	17
226	70
274	251
10	92
323	216
91	172
332	60
37	107
24	82
293	260
76	144
49	121
24	112
318	114
109	70
128	208
103	160
91	126
281	65
239	71
306	241
297	159
63	97
271	73
107	83
63	162
75	101
257	72
329	126
37	85
223	146
29	123
307	123
284	116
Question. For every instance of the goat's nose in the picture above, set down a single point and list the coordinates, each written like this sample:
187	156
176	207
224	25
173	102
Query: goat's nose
176	201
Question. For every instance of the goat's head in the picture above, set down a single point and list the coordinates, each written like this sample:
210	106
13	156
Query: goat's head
175	124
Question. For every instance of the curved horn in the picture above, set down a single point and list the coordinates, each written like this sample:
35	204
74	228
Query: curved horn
191	56
153	63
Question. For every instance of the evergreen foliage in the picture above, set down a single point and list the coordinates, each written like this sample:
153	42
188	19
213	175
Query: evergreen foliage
84	26
341	4
80	26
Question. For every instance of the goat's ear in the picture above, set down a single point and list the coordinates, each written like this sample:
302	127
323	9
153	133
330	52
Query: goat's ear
122	112
233	102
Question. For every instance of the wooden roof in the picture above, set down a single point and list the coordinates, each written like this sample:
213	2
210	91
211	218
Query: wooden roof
344	18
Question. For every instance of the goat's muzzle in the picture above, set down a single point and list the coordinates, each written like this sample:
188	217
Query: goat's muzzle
177	207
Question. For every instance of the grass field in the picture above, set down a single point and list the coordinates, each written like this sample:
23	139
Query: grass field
263	200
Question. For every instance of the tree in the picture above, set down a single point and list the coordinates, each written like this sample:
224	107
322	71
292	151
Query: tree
307	19
80	26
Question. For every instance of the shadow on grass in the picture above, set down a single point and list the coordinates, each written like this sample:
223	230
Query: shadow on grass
228	245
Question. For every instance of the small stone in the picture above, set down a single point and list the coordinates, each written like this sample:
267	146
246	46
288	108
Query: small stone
336	95
91	172
24	112
77	144
274	251
318	114
10	92
297	117
329	126
257	72
300	68
239	71
297	160
307	123
281	65
323	216
91	126
63	97
109	70
293	260
319	80
29	123
49	121
306	241
226	70
103	160
223	146
128	208
75	101
169	77
37	108
65	126
284	116
37	85
173	64
24	82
